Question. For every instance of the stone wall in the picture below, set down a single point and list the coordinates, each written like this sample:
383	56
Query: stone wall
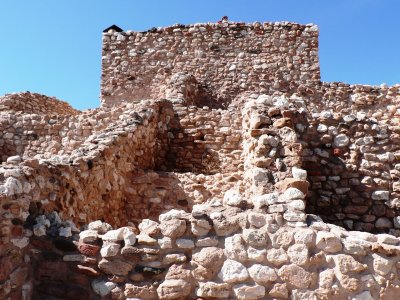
226	59
34	103
221	191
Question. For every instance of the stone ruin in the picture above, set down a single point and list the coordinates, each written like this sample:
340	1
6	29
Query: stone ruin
219	166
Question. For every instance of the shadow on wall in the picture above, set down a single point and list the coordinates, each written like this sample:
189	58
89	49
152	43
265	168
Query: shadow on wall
188	150
342	188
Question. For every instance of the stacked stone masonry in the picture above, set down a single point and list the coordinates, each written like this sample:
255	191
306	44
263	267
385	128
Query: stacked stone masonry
219	166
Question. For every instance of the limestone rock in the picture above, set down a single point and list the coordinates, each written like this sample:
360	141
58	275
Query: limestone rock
235	248
279	290
102	288
88	236
328	242
265	200
380	195
109	250
233	271
257	219
262	274
282	238
293	193
211	258
123	233
149	227
173	228
326	278
99	226
341	140
173	289
277	257
346	263
255	238
256	255
225	224
366	295
141	291
115	267
249	292
305	236
184	243
381	264
200	227
298	173
298	254
213	290
295	276
165	243
233	198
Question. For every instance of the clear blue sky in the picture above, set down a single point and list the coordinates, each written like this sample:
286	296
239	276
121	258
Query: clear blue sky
54	46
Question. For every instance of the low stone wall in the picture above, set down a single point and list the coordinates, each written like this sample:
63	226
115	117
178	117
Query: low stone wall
218	252
33	103
45	135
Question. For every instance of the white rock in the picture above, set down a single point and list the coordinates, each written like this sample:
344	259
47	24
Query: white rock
265	200
235	248
294	216
298	173
264	99
184	244
99	226
322	128
213	290
305	236
109	250
341	140
256	255
174	258
233	271
292	194
262	274
380	195
298	254
148	226
260	175
382	265
249	292
200	227
297	205
12	186
65	231
233	198
123	233
388	239
88	236
173	214
328	242
16	159
165	243
257	219
277	257
102	288
207	242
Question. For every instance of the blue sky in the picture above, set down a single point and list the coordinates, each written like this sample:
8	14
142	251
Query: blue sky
54	47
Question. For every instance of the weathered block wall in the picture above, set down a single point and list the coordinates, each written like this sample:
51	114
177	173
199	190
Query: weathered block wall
204	140
33	103
52	133
226	59
350	136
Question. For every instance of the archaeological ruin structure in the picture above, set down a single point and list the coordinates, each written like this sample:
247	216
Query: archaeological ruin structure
219	166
